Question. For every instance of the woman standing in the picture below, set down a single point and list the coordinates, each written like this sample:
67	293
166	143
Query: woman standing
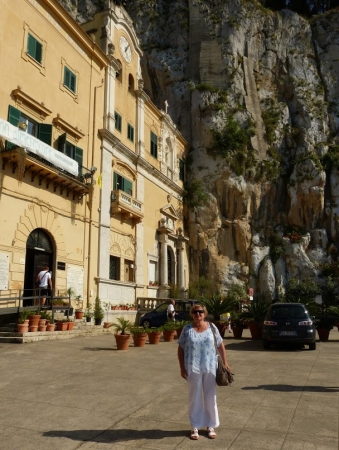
198	364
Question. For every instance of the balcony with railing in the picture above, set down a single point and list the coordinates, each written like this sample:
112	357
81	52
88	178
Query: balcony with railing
126	205
29	166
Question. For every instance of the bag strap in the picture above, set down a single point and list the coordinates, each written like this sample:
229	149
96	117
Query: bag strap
215	341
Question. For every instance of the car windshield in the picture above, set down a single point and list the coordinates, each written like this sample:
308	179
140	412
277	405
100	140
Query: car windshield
289	312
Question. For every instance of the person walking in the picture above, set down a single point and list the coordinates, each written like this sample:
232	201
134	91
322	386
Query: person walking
171	311
44	279
198	363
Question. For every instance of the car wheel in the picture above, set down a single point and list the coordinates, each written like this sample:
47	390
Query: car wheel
146	324
266	344
312	346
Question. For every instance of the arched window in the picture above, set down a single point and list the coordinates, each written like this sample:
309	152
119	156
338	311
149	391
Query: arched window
130	83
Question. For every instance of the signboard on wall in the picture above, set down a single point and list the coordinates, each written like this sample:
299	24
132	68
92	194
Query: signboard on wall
4	271
75	279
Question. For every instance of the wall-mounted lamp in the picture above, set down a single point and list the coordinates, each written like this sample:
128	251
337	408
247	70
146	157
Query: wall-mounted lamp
132	266
22	126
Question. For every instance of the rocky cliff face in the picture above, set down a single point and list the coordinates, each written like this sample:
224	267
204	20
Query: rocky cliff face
255	92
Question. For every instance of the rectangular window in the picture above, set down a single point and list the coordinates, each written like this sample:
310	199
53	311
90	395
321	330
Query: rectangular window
117	119
69	79
71	150
181	170
128	270
41	131
121	183
130	132
114	268
154	145
34	48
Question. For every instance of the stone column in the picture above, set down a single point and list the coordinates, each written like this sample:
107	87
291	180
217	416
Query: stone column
163	272
181	276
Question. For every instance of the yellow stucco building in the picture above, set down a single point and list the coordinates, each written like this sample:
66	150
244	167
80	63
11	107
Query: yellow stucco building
91	178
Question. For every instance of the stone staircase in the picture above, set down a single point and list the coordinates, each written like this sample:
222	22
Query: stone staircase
8	333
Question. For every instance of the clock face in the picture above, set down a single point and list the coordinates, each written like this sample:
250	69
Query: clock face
125	49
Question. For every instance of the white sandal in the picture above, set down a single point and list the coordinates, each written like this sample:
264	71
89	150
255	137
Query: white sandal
211	433
194	434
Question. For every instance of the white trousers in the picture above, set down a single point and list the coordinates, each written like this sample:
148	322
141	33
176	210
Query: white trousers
202	400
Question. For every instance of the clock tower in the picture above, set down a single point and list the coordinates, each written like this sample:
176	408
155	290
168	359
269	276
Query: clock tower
143	157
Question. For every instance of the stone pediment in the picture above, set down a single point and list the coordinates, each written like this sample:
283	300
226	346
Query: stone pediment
169	211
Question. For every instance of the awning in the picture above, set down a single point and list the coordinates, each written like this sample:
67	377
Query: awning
39	148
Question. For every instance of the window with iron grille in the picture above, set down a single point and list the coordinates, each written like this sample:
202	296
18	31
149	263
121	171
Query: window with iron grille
114	268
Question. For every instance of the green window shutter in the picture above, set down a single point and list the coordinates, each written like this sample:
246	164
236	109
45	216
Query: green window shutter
62	143
13	115
115	182
38	51
78	157
31	46
154	145
13	118
128	187
72	82
67	75
45	133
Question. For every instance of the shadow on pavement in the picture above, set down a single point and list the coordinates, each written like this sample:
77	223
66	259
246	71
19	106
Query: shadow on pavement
257	346
114	435
291	388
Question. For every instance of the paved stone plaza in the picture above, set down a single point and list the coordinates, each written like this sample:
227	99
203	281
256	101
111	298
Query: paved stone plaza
84	394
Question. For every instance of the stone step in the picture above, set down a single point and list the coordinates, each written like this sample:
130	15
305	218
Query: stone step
14	337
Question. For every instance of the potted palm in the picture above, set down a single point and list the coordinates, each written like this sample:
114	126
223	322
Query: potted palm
121	326
98	312
253	314
179	326
23	322
237	325
88	312
79	313
218	305
139	336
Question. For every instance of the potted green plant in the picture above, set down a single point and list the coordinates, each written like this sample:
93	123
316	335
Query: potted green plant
169	331
98	312
107	307
88	312
62	325
23	321
34	318
139	336
218	305
253	314
154	335
51	325
121	326
238	325
79	313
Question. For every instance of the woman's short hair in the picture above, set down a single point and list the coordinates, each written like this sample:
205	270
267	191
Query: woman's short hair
198	306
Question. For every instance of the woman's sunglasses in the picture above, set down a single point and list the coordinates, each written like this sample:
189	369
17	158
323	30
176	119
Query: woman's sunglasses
198	311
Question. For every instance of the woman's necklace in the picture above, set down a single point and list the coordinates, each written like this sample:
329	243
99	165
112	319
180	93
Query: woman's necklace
200	326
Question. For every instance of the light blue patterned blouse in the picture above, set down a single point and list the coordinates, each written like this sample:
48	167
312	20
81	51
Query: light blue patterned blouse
199	351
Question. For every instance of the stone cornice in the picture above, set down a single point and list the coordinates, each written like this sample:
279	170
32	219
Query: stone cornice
138	161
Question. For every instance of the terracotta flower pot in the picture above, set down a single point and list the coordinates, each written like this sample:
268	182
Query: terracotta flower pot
22	327
323	334
62	326
255	329
122	341
168	335
154	337
42	322
139	339
70	326
33	328
237	332
107	324
50	327
79	314
34	319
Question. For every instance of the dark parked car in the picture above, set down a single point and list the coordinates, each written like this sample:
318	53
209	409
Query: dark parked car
158	316
289	322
